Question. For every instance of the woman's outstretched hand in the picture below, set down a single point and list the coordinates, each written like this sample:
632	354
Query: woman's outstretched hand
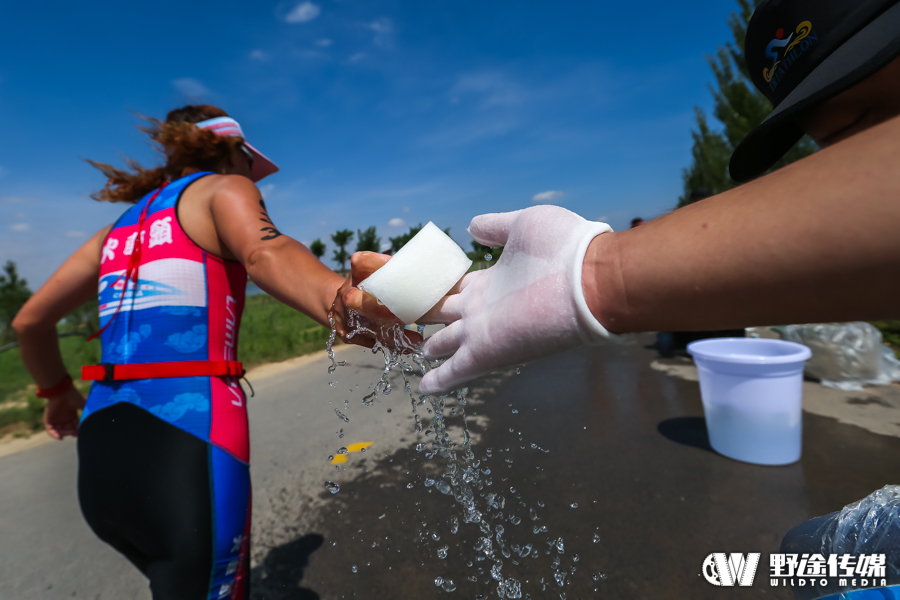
350	297
530	304
61	414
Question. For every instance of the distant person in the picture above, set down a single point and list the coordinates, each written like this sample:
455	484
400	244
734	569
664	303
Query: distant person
636	221
163	442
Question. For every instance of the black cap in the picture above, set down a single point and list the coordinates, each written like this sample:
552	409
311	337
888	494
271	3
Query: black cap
801	52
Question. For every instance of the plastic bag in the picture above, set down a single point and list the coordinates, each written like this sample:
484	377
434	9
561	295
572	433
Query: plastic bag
869	526
846	356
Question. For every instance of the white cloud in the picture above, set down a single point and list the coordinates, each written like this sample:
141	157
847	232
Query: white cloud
20	227
323	223
397	222
324	43
75	234
494	89
357	57
191	88
259	55
384	31
406	209
548	196
267	189
303	13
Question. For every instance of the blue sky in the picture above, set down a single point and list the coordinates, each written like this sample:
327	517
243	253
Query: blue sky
378	112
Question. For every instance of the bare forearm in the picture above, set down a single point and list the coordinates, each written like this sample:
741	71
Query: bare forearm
39	349
292	275
815	241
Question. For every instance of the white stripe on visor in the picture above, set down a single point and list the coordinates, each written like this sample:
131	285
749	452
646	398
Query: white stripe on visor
222	126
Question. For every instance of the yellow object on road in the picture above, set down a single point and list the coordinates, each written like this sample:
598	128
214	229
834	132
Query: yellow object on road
340	459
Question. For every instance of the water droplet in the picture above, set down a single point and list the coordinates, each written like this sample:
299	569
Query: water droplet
435	536
330	457
389	410
331	384
575	558
518	371
541	504
511	430
449	586
596	538
353	568
438	581
409	486
363	450
342	450
341	416
332	487
429	482
515	411
599	576
488	256
442	551
385	514
574	505
443	487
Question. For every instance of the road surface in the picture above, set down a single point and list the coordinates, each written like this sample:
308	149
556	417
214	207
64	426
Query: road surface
621	440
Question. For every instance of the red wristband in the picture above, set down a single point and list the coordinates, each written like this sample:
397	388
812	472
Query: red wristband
56	390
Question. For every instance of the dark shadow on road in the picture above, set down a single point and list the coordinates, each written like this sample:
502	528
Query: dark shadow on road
280	574
690	431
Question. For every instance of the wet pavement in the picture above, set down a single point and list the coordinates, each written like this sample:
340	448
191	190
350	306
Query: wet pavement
626	443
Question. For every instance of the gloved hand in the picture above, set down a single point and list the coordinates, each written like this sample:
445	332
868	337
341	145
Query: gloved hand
530	304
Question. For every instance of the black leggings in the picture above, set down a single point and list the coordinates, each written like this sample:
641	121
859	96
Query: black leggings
146	488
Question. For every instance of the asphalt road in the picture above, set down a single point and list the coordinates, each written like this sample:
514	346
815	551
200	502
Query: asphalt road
622	441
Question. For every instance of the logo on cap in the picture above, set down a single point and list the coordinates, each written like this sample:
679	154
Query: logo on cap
793	46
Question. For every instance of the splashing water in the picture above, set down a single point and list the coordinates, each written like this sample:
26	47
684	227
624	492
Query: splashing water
464	474
332	487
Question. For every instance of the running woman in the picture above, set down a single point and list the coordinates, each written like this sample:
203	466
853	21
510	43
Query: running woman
163	440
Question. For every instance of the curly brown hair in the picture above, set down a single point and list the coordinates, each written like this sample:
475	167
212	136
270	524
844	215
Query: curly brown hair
183	145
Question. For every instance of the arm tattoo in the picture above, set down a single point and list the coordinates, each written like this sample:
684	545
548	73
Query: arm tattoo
271	231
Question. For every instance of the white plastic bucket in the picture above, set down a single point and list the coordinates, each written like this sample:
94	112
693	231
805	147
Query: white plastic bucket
752	392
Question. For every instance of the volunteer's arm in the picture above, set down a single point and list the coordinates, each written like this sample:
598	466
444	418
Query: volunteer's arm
816	241
74	283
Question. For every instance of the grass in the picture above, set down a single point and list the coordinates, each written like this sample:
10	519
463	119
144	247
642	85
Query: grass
890	333
270	332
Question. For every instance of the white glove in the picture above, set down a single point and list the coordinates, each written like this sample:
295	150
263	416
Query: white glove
530	304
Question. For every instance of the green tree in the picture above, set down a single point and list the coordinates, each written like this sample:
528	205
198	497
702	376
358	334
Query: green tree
367	241
739	107
341	239
14	293
317	248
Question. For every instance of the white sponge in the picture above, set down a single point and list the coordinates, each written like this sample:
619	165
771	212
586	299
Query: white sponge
419	275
